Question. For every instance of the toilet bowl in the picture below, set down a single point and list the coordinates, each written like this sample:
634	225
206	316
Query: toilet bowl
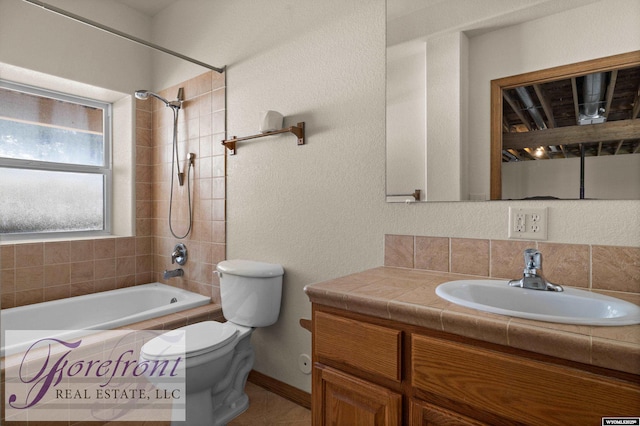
219	356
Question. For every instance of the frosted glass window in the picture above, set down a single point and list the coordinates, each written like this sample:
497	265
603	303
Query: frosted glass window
55	168
47	201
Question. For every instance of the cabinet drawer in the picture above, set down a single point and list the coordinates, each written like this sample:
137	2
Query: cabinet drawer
520	389
367	347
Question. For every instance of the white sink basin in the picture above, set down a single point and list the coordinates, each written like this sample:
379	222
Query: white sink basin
572	306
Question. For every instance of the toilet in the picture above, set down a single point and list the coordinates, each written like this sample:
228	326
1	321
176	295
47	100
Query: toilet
219	356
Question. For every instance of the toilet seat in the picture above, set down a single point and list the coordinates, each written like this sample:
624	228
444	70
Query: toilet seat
201	338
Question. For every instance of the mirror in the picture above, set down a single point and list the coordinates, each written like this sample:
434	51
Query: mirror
441	59
568	132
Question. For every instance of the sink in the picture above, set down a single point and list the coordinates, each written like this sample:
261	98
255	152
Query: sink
572	306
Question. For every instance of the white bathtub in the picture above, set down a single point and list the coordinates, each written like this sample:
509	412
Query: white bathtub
77	316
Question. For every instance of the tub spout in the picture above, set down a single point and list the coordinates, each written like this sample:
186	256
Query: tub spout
173	273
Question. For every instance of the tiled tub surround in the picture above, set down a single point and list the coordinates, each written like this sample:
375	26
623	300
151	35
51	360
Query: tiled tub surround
201	127
42	271
404	291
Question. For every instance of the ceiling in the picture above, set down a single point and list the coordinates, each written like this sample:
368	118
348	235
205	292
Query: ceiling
147	7
533	127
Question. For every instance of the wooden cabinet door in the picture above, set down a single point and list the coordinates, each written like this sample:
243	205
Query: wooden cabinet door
343	400
425	414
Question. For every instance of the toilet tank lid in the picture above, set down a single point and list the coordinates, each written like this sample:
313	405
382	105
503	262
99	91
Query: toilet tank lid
250	268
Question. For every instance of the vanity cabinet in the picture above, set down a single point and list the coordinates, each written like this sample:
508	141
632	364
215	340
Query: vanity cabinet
372	371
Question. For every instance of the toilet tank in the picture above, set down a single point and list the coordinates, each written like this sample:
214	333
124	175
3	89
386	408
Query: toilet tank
250	292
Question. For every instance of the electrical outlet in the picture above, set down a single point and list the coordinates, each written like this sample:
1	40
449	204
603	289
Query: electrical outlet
528	224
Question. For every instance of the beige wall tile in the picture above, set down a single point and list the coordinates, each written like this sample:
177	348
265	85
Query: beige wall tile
104	284
104	249
8	300
79	289
56	275
28	297
81	271
7	257
57	292
143	137
29	278
616	268
56	252
143	105
81	250
125	246
125	266
143	115
105	268
143	245
470	256
566	264
29	255
7	280
398	251
432	253
507	258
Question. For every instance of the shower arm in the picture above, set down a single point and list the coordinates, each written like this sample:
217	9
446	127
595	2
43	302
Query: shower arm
118	33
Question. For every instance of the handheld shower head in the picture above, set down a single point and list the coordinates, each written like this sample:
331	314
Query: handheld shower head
143	95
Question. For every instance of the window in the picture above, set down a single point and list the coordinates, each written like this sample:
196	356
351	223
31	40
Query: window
55	163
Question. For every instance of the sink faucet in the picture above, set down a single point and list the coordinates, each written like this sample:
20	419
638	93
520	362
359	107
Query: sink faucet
533	278
174	273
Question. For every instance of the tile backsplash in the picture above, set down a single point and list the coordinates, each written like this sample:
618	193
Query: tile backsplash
593	267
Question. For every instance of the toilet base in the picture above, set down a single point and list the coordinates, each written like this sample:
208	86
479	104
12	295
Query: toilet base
200	412
226	400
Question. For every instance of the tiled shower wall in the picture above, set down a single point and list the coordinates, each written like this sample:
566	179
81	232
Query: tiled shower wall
201	128
593	267
37	272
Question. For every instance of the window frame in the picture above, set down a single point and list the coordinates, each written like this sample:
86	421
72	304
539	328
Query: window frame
106	169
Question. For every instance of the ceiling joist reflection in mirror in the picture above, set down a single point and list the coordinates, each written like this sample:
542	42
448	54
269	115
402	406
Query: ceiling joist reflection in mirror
580	110
597	98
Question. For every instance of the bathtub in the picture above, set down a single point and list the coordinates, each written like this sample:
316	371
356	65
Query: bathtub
77	316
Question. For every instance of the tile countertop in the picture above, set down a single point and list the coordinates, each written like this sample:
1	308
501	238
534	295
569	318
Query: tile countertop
408	296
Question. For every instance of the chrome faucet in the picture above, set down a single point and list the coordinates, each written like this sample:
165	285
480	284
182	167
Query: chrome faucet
173	273
533	278
179	254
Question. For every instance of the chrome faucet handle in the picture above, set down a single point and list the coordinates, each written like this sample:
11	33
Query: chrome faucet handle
532	261
179	254
532	276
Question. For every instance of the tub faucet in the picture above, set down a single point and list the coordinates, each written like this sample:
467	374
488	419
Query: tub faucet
532	277
173	273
